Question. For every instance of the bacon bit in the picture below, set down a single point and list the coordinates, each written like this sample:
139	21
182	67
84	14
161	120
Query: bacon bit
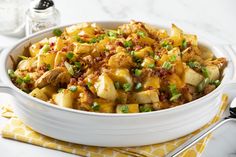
30	69
52	44
73	81
137	47
162	73
150	88
64	49
119	43
98	59
163	96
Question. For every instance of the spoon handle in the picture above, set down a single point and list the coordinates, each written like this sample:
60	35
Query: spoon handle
189	143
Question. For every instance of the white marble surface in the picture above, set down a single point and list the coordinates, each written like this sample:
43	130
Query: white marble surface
212	20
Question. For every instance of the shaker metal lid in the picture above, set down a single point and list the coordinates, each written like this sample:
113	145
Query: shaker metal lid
42	4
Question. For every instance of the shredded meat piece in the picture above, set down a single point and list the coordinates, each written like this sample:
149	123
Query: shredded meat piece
54	77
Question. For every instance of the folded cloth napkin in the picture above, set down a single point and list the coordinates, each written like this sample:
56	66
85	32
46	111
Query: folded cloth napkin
15	129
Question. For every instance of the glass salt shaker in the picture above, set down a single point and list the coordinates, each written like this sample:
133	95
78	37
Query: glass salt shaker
42	14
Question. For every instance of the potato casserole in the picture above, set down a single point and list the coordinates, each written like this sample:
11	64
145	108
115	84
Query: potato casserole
133	68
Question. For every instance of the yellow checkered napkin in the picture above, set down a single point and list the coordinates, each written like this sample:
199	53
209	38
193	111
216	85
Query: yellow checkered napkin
16	130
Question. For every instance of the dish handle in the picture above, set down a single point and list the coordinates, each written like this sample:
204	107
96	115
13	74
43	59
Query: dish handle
3	87
230	52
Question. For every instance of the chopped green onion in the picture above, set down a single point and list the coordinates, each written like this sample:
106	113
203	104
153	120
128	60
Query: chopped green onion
79	39
174	92
11	73
117	85
138	86
175	97
48	66
184	44
128	43
167	65
166	45
145	108
124	109
132	53
97	39
19	80
152	65
203	84
73	88
93	40
45	48
194	64
57	32
156	57
89	84
26	79
101	37
78	65
137	72
216	83
127	87
23	57
95	106
151	54
69	67
205	72
112	34
69	55
172	58
141	34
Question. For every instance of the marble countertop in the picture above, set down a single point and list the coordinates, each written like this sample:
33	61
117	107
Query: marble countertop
212	20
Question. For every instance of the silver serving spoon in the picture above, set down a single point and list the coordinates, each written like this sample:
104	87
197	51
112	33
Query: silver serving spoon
205	132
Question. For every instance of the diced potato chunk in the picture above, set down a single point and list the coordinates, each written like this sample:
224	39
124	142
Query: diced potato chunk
127	108
82	48
175	52
120	60
105	106
64	98
153	82
148	62
60	58
122	76
46	59
192	77
179	68
37	93
34	49
175	79
147	40
49	90
74	29
148	96
214	72
191	38
105	87
176	35
143	52
163	59
59	44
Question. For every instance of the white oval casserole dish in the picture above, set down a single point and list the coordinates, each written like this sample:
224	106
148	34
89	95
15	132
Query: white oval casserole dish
112	130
